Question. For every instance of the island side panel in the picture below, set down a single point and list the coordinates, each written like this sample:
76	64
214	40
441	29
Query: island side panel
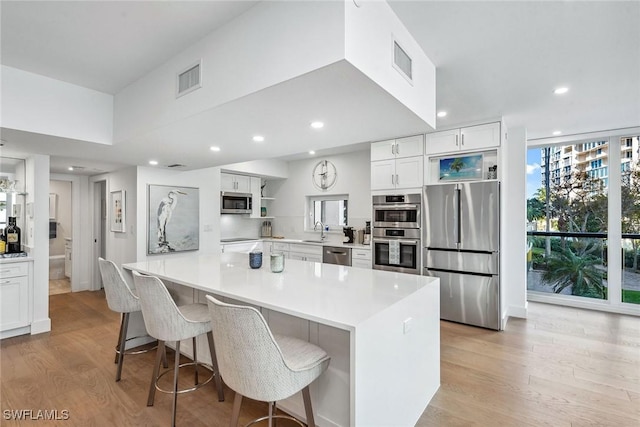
330	392
397	360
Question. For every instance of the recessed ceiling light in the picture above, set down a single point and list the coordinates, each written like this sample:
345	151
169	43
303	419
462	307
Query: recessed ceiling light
442	114
312	152
153	162
214	148
561	90
317	125
258	138
557	132
70	168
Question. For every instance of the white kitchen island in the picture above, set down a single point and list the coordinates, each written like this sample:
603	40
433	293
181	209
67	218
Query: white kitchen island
380	328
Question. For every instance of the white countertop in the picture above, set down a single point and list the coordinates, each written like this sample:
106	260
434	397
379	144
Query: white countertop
300	242
335	295
15	259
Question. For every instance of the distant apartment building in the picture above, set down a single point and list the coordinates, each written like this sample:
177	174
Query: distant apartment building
591	157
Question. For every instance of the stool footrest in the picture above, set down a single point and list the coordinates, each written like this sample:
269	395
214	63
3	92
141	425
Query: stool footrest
285	417
186	390
127	352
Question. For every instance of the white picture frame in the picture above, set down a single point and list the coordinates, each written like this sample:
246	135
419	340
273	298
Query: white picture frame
117	211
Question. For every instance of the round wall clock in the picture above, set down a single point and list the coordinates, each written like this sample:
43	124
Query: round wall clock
324	175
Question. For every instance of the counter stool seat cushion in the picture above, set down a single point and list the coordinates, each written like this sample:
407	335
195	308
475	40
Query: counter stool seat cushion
258	365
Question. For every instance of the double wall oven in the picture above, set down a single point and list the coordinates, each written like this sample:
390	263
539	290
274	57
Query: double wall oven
396	233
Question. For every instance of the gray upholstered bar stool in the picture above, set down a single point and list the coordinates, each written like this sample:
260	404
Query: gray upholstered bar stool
168	322
121	299
262	366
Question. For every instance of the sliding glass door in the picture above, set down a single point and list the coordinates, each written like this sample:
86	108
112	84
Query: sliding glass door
583	213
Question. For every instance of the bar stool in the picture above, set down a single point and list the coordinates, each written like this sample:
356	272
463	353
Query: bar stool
121	299
262	366
168	322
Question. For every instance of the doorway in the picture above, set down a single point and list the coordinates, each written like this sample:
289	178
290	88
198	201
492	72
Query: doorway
99	229
60	236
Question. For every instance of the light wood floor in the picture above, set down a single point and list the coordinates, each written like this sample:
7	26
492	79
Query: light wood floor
560	367
59	286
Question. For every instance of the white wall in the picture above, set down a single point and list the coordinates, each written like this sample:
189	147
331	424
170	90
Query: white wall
121	247
34	103
37	231
370	29
354	179
270	43
208	182
513	224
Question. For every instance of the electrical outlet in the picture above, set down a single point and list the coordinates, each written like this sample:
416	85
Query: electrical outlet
407	325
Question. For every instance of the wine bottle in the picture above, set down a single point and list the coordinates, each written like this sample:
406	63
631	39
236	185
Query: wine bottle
3	242
13	236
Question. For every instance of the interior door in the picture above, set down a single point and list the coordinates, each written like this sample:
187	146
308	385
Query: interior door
440	213
479	216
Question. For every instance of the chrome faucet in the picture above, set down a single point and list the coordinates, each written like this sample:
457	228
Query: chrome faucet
315	228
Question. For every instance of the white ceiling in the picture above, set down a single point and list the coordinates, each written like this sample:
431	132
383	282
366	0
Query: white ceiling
493	59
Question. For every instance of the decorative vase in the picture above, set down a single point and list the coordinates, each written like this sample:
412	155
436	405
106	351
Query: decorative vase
277	262
255	259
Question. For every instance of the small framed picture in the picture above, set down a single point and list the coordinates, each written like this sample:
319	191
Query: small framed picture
117	211
461	168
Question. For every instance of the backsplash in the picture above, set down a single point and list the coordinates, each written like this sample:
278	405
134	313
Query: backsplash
233	226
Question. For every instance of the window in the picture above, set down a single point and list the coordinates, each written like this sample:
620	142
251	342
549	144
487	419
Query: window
331	211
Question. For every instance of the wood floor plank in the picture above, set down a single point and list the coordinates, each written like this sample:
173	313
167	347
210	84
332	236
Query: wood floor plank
559	367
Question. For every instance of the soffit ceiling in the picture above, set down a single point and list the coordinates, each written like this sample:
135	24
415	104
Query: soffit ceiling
493	59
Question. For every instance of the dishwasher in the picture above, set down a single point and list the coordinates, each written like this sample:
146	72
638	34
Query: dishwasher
336	255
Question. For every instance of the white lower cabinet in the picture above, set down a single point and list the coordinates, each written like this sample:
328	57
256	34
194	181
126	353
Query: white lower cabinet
311	253
14	296
361	258
280	247
244	247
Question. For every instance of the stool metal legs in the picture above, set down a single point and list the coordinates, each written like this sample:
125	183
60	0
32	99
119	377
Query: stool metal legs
176	367
308	409
156	375
214	363
121	344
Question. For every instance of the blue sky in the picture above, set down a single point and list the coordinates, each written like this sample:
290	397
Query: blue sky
533	171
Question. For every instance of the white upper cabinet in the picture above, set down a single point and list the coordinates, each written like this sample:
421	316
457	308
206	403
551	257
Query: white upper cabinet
397	163
383	150
397	148
398	173
463	139
237	183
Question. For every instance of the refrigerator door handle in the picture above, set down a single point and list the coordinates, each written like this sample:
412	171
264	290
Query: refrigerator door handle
456	217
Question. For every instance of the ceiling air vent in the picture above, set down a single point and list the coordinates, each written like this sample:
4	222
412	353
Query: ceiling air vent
189	80
402	62
175	165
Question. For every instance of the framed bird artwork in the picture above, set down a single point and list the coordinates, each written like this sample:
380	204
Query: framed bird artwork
173	219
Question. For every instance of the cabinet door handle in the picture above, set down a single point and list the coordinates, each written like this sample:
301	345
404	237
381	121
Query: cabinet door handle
462	139
393	148
397	148
397	180
392	178
456	140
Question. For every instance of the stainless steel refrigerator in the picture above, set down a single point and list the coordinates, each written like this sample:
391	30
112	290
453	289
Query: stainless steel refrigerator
462	248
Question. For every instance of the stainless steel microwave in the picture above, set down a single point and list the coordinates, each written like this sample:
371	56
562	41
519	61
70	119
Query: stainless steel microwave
235	203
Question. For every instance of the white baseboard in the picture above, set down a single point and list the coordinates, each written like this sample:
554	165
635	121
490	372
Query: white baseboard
517	311
40	326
